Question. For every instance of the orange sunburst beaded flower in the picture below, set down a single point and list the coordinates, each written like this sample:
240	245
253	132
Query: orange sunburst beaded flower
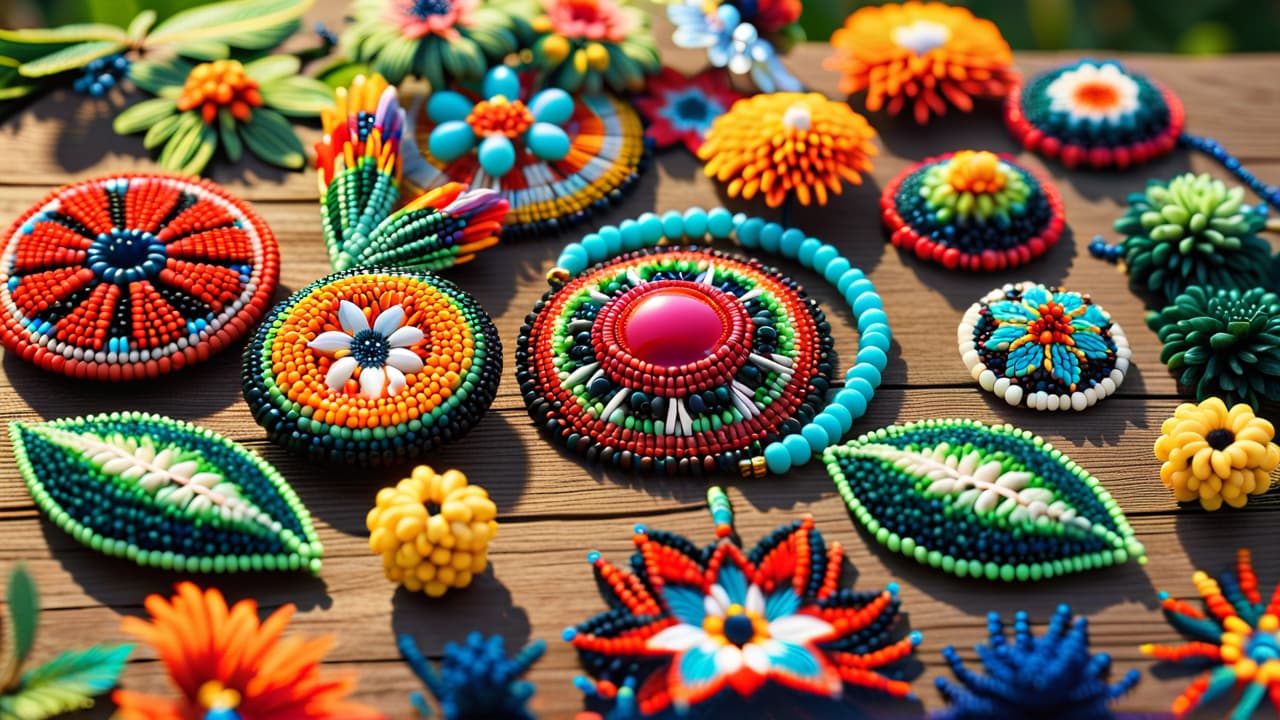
783	143
928	54
227	664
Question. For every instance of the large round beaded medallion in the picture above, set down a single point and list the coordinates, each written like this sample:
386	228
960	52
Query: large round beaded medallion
1042	347
128	277
675	360
371	366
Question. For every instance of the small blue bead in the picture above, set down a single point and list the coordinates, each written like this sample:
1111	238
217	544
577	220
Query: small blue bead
867	301
808	249
695	222
848	278
612	239
672	225
871	318
875	340
777	458
595	246
650	228
873	356
790	244
838	411
835	269
771	238
720	223
749	233
868	373
824	256
632	238
853	401
799	449
574	258
817	437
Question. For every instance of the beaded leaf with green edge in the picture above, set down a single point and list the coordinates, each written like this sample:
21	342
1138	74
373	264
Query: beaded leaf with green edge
979	501
164	493
66	683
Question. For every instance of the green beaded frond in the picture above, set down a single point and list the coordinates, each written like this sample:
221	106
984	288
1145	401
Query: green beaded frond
972	500
164	493
1223	343
1193	230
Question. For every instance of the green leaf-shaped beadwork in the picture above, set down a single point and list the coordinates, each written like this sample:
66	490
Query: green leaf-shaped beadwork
978	501
165	493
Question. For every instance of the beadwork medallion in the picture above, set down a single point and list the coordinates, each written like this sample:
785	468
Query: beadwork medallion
164	493
128	277
675	360
1043	348
372	366
972	210
978	501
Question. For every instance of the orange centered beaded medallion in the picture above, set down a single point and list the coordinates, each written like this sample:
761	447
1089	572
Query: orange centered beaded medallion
500	116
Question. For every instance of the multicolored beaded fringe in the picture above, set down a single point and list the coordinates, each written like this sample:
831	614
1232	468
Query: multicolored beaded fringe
690	360
1043	348
607	153
716	628
164	493
975	211
372	366
978	501
131	276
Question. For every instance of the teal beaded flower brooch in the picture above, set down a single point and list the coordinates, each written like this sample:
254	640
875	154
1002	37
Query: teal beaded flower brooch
978	501
972	210
164	493
721	629
1043	348
690	360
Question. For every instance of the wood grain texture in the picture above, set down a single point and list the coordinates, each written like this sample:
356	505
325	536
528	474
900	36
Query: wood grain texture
554	509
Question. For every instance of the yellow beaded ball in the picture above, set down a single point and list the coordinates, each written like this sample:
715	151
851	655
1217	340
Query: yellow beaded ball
1216	455
432	530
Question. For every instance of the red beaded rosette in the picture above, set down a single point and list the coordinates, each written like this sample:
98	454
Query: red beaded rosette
128	277
675	360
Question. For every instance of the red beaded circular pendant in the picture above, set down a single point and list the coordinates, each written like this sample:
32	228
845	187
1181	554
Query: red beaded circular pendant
129	276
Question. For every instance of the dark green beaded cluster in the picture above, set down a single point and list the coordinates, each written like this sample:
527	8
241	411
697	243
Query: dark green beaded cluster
1223	343
1072	524
111	510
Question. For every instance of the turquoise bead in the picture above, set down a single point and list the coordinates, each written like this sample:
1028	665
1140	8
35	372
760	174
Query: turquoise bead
837	411
695	222
835	269
799	449
632	238
831	424
448	106
816	436
497	155
595	247
875	340
574	258
771	237
870	373
873	356
777	458
867	301
790	244
503	81
853	401
547	141
749	233
720	223
650	229
807	250
823	257
855	382
672	225
552	105
451	140
612	240
872	317
847	278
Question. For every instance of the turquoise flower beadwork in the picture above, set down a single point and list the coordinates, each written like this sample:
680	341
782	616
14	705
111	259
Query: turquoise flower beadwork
164	493
978	501
489	125
689	360
1043	348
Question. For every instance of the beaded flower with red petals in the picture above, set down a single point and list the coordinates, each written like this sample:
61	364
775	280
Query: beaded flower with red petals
1237	637
128	277
972	210
924	55
717	627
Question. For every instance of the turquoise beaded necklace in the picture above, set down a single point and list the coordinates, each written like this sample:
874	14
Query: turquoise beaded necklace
589	407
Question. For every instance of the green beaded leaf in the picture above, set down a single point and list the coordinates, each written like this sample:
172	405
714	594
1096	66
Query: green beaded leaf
24	614
65	684
165	493
994	502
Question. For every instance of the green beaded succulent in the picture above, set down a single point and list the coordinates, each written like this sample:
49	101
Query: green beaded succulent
1223	343
1193	230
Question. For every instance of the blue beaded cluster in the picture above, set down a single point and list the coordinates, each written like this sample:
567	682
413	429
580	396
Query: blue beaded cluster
1269	193
101	75
750	233
1051	676
476	681
1099	248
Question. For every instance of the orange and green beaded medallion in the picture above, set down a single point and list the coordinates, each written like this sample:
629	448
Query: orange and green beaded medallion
371	366
128	277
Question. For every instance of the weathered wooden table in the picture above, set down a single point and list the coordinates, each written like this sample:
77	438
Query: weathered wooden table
554	509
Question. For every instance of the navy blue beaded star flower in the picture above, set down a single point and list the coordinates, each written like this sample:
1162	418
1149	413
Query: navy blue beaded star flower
1050	676
476	681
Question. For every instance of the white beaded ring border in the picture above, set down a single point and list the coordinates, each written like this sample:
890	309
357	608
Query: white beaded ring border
697	225
1014	393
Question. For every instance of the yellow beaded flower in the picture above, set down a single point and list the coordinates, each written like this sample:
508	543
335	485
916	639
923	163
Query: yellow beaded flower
1213	454
783	143
432	530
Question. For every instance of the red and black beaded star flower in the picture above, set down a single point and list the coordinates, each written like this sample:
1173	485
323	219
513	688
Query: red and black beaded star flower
127	277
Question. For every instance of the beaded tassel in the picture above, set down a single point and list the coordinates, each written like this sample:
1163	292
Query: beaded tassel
780	627
1236	639
359	166
1053	675
476	681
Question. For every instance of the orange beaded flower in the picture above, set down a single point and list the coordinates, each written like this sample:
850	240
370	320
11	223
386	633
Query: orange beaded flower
929	54
227	664
784	143
220	84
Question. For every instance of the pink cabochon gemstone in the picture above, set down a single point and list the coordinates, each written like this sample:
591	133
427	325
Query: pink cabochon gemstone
670	327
